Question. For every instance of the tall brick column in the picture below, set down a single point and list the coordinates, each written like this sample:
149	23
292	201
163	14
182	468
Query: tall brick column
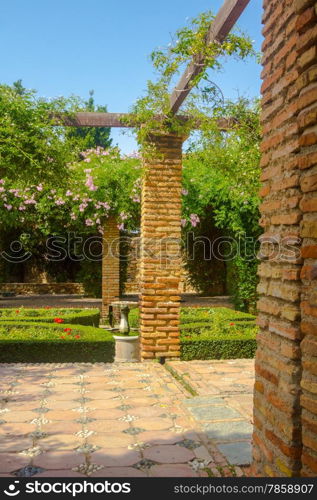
110	266
277	422
160	266
306	26
284	419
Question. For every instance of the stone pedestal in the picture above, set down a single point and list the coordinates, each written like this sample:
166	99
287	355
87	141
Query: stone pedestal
127	349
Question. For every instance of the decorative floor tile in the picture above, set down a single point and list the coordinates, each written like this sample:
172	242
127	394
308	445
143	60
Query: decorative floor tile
133	431
88	469
189	444
214	412
168	454
229	431
144	464
136	419
28	471
86	448
128	418
31	452
239	453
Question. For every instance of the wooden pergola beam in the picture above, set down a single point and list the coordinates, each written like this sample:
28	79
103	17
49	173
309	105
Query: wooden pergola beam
92	119
218	31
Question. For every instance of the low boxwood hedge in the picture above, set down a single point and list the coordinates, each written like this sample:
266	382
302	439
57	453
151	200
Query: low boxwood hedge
213	333
23	342
31	335
89	317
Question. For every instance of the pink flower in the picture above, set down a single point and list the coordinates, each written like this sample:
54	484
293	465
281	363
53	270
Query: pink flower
121	227
98	221
136	199
89	222
22	208
90	183
73	217
184	192
69	193
194	219
183	222
87	170
123	216
2	181
8	207
59	202
82	207
2	189
87	160
39	187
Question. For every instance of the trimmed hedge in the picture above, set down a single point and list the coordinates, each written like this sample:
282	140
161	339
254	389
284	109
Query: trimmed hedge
213	333
31	335
22	342
89	317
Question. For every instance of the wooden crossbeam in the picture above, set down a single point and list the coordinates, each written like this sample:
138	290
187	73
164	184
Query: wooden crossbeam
92	119
219	29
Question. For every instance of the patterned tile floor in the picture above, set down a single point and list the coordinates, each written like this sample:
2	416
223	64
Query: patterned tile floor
119	420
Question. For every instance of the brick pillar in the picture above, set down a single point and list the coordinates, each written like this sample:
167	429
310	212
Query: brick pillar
306	26
110	266
277	419
160	266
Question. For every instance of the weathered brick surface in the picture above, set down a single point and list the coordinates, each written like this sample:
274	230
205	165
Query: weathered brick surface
110	265
307	110
160	267
284	441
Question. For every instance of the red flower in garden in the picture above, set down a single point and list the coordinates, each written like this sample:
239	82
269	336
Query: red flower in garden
232	324
47	307
62	337
67	329
77	336
17	311
58	320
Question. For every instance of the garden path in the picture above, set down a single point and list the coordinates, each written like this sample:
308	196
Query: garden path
125	420
62	301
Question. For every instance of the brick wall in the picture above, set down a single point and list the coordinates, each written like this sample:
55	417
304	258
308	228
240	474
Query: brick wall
287	304
110	265
160	250
43	288
132	283
306	26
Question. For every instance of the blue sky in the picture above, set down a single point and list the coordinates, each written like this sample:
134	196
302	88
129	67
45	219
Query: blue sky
65	47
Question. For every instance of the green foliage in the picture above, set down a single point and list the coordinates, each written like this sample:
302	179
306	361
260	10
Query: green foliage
110	186
43	343
91	136
206	271
222	180
213	333
189	43
31	149
218	348
89	317
32	336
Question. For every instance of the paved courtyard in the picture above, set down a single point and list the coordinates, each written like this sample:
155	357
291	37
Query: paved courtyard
126	420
